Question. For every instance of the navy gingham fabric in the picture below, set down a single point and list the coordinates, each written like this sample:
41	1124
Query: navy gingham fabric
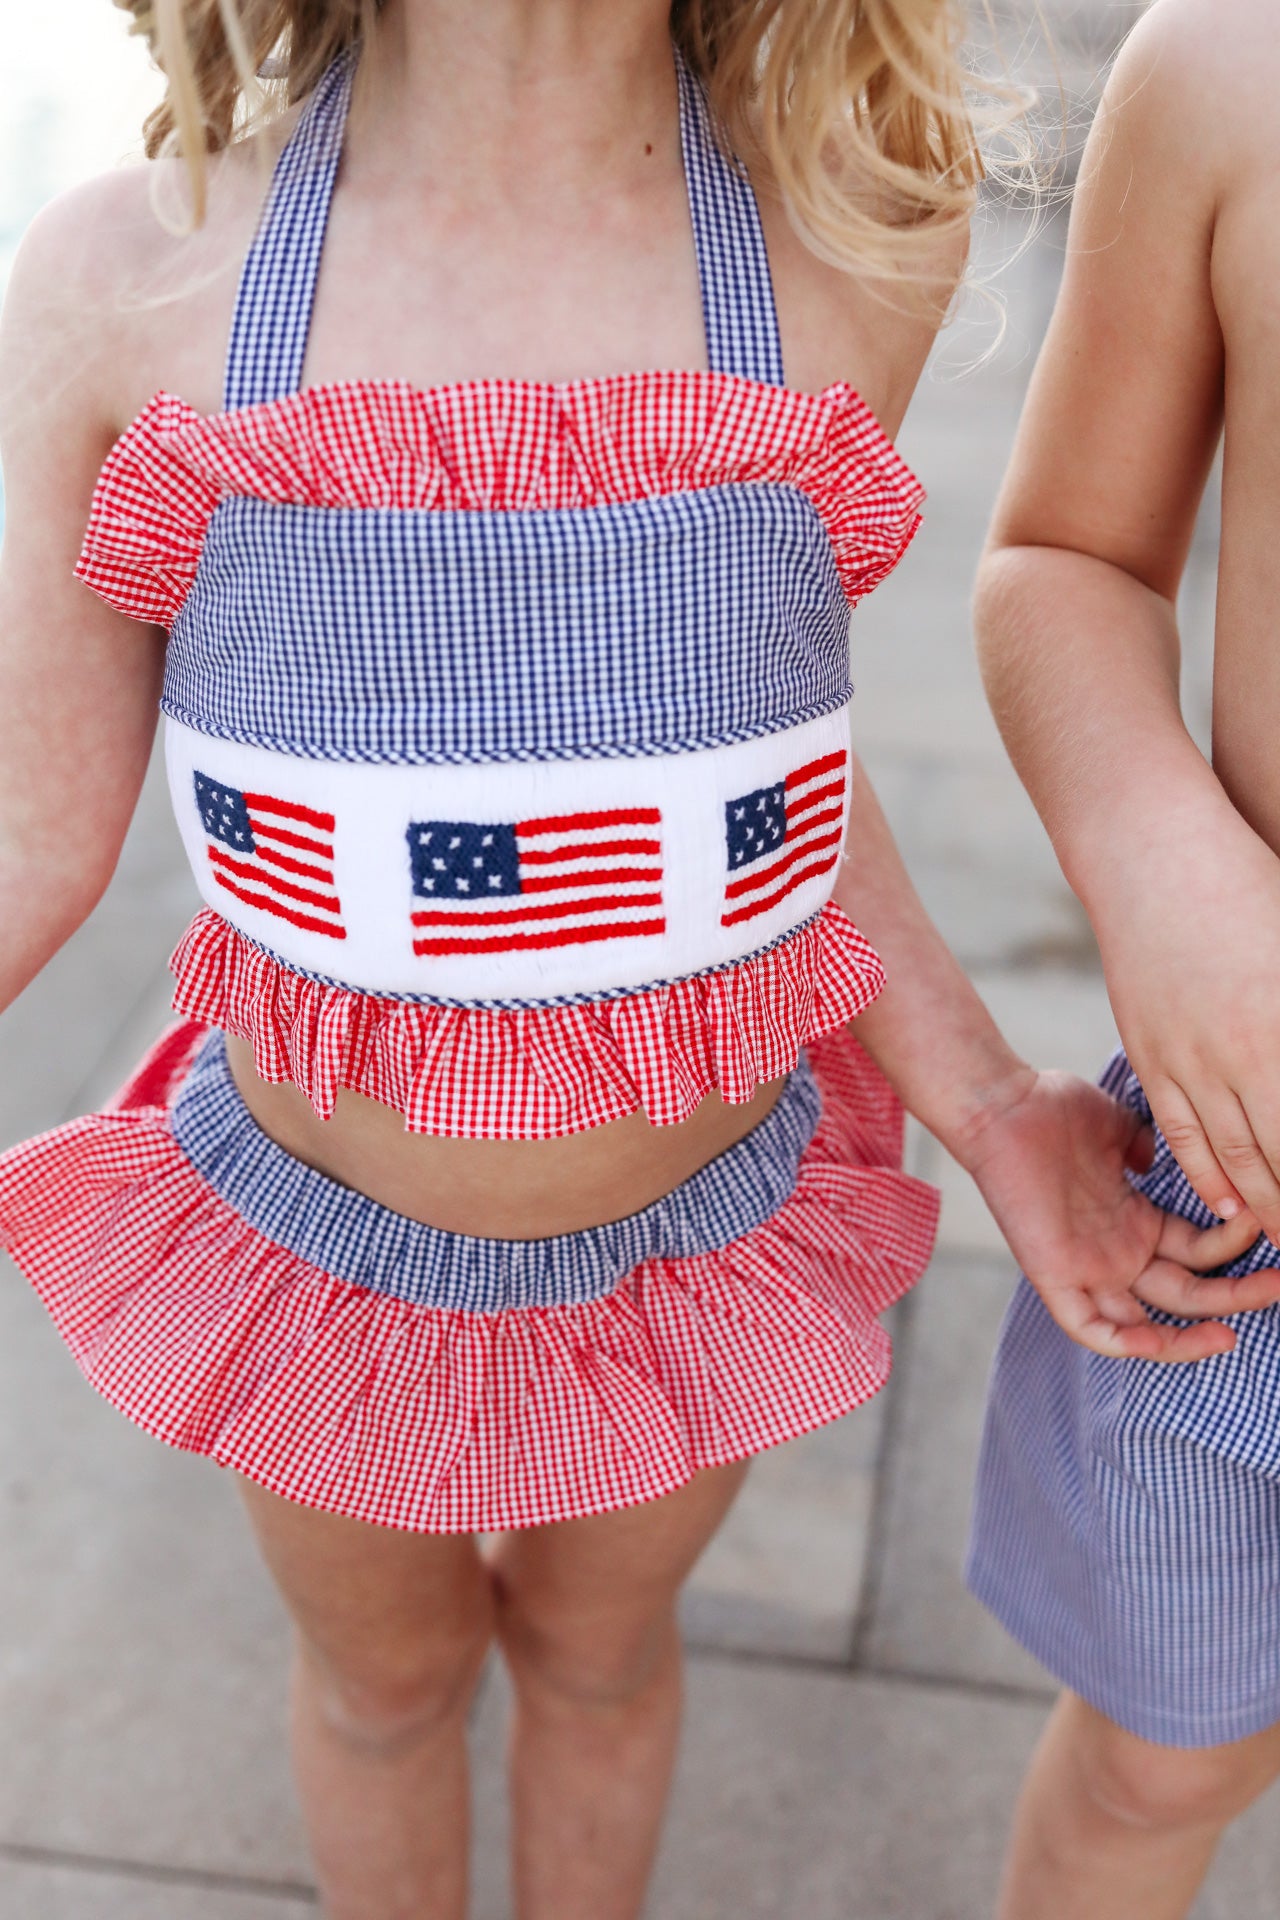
1126	1523
277	287
272	317
353	1238
388	634
738	306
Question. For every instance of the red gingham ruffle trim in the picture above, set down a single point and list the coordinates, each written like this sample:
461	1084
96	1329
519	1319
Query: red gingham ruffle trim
221	1342
540	1073
491	445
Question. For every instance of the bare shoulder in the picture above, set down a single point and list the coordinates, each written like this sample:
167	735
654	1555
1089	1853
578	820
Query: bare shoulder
1201	37
75	258
107	283
1194	90
840	325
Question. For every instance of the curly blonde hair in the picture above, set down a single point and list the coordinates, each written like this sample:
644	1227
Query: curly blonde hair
864	112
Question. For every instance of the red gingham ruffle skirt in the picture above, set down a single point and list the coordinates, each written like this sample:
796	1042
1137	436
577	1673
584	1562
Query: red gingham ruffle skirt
217	1340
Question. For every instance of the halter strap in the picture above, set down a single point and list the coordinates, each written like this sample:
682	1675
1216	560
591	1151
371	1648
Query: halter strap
272	317
278	283
738	308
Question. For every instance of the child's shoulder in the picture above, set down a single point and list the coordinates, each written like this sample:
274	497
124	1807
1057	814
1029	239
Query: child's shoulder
108	273
80	252
1186	129
1201	77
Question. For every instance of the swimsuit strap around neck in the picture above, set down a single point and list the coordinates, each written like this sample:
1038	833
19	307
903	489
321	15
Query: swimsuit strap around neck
278	283
738	309
272	316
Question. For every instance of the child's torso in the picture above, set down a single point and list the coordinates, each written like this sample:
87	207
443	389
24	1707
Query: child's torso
557	298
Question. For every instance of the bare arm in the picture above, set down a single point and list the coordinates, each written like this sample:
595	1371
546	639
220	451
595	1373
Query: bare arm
1049	1152
1076	598
929	1031
78	682
1076	625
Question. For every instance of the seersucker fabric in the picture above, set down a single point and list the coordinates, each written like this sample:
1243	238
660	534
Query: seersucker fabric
1126	1526
592	636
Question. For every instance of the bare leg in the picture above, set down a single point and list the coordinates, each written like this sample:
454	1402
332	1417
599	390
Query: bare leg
587	1622
1110	1827
392	1630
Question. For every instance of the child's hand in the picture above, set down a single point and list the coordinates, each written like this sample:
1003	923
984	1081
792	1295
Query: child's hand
1051	1167
1191	947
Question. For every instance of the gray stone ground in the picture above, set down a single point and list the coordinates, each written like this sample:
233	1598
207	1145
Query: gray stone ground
857	1725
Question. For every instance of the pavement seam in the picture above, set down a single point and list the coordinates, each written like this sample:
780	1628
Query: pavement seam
873	1559
22	1853
1011	1692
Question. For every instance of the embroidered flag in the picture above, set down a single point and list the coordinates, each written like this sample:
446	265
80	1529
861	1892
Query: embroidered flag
272	854
563	881
780	836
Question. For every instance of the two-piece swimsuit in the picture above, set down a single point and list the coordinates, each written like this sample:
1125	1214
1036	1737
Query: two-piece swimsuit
507	728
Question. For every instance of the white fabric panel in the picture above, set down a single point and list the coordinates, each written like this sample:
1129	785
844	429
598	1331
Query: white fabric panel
374	805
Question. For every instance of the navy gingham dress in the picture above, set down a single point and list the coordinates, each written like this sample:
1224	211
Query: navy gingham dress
1127	1521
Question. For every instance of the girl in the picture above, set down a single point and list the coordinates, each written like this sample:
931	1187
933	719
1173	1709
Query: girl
485	1187
1128	1519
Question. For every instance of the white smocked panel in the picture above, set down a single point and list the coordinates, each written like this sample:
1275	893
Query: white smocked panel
718	855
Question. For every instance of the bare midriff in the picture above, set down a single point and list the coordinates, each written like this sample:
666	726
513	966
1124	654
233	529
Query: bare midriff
506	1189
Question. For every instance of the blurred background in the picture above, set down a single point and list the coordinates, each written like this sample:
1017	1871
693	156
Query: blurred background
857	1726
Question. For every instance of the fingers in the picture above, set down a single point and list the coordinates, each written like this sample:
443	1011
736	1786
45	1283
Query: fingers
1173	1290
1180	1124
1244	1144
1228	1150
1116	1326
1201	1249
1111	1319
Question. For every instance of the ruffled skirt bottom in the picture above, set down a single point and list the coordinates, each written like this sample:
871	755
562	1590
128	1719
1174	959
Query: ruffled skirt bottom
239	1304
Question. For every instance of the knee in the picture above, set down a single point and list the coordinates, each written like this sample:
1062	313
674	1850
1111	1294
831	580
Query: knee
383	1701
1168	1789
590	1664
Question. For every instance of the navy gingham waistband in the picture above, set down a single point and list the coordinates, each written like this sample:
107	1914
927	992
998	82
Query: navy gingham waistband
354	1238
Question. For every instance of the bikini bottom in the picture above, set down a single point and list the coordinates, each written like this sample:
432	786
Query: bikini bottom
235	1302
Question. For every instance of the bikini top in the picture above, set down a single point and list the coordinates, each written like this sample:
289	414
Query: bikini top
506	721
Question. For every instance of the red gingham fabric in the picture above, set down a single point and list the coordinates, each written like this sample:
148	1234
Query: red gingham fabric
540	1073
218	1341
490	445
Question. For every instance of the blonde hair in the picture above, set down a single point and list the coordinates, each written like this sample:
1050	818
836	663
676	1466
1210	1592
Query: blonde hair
863	111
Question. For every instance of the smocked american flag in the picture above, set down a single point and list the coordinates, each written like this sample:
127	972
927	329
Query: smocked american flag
780	836
565	880
272	854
